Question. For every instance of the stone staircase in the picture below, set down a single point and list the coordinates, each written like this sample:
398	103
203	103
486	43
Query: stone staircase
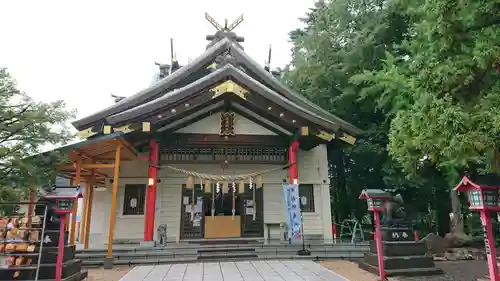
179	253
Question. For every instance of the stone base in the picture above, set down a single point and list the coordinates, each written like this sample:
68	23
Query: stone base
403	272
394	249
402	256
147	244
108	263
400	262
397	234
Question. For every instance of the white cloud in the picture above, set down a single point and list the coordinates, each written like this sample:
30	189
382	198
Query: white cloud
81	51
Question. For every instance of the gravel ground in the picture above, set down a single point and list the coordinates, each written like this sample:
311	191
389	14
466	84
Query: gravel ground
349	270
457	271
454	271
101	274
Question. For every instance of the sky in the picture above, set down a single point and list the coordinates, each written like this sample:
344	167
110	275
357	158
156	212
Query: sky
83	51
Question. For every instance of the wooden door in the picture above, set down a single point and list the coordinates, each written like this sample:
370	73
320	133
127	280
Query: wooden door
249	226
192	226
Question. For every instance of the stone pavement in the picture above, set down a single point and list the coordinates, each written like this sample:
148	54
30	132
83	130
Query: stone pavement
235	271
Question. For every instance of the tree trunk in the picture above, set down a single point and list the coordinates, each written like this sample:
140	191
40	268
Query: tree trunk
457	220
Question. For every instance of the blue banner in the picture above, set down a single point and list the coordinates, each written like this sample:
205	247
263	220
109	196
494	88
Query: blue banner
292	205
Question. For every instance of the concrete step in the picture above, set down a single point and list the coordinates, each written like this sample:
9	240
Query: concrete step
364	247
219	255
184	246
216	250
180	254
97	263
428	271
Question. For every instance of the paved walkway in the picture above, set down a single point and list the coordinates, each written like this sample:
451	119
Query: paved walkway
234	271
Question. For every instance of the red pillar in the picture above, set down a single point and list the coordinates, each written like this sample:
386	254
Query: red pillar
489	245
149	218
292	157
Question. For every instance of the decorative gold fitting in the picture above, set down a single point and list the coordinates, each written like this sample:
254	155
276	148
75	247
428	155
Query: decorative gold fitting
229	87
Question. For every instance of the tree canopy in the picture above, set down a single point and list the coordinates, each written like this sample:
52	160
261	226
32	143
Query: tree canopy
26	126
420	77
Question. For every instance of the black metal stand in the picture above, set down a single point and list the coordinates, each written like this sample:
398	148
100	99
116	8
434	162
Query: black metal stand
303	251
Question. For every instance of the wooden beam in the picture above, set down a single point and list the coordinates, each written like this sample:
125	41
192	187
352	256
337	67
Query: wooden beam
304	131
179	140
84	167
87	133
75	205
174	112
112	214
98	166
277	114
325	135
66	225
347	138
84	211
89	217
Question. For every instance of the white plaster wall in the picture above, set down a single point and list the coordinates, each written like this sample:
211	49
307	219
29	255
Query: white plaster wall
312	166
211	125
312	170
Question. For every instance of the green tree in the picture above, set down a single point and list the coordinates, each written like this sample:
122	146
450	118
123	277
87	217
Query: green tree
340	40
442	91
26	127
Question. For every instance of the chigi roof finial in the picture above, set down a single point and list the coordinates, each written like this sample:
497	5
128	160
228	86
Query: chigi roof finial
225	31
226	28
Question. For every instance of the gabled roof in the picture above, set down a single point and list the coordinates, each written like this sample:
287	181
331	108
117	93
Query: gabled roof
219	75
257	79
278	86
158	88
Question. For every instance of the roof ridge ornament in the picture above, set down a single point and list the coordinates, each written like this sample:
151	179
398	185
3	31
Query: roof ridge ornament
225	31
226	28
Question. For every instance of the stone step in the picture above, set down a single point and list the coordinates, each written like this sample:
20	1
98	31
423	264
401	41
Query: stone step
429	271
400	262
216	250
218	255
79	276
191	252
98	263
182	246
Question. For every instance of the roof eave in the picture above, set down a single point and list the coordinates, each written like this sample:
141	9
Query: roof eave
253	66
158	87
227	71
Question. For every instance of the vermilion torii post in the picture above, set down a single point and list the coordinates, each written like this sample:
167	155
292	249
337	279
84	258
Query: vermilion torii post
292	158
484	198
149	218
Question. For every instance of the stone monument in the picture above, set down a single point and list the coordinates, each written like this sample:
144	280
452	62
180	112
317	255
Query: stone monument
402	255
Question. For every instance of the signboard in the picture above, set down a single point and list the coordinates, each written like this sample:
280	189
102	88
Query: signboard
292	205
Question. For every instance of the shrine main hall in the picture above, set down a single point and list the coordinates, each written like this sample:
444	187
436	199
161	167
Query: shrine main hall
203	153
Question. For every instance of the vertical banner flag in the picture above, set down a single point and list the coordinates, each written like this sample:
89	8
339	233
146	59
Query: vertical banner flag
292	204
